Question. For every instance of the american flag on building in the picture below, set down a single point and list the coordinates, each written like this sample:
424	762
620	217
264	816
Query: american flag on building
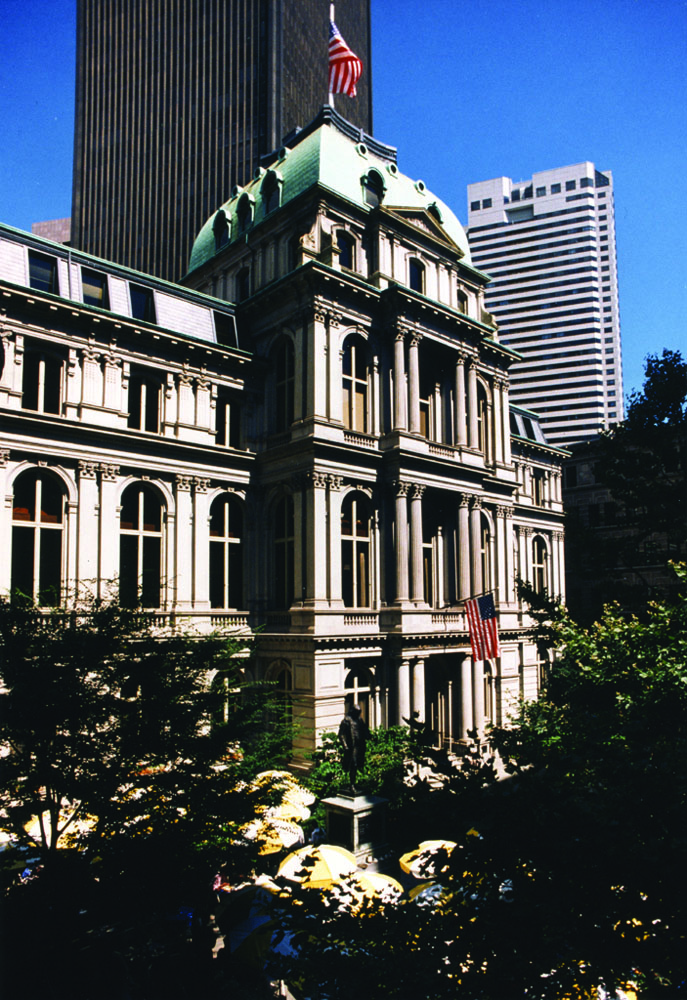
344	66
484	636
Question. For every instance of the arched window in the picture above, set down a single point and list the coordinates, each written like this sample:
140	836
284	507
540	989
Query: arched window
140	547
355	551
220	229
226	553
243	284
355	384
144	403
373	189
283	553
227	421
482	429
416	275
540	566
538	487
244	213
284	367
42	381
485	554
38	510
346	245
359	687
271	192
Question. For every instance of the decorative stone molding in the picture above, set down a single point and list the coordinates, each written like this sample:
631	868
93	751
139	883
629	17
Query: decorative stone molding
415	338
201	484
476	503
88	470
4	457
418	490
335	482
464	499
109	472
402	489
183	483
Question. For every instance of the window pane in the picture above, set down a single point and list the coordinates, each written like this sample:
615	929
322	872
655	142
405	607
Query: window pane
142	303
24	507
22	560
363	591
360	420
150	582
94	288
42	273
128	571
30	376
52	385
50	568
52	501
216	575
347	573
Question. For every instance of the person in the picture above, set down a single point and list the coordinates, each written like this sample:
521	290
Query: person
353	737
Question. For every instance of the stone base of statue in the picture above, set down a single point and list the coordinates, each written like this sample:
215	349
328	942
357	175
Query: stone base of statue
356	822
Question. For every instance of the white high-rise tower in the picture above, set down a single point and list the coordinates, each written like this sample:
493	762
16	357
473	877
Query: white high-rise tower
549	245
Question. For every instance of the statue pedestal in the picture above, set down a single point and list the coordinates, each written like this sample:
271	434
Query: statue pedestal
357	823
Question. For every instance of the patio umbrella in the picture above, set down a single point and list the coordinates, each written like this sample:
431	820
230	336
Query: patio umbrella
428	859
317	867
273	835
354	890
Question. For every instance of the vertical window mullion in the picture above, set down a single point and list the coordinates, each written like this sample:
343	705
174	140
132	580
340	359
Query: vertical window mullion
37	540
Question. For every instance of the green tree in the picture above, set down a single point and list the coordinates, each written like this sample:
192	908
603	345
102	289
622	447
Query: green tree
566	876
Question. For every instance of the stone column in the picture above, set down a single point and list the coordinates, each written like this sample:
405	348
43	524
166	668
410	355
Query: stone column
376	559
501	564
419	688
505	416
526	552
108	546
416	538
510	556
334	512
334	371
403	694
400	390
466	707
473	433
315	500
498	423
478	695
414	382
200	553
476	545
376	400
461	430
5	514
402	592
87	553
440	570
180	573
464	548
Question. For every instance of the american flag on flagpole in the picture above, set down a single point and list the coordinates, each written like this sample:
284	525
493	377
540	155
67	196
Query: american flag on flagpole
344	66
484	636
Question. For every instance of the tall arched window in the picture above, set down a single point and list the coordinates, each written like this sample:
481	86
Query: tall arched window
226	553
539	565
346	245
284	367
485	554
144	403
482	428
355	551
283	553
42	381
416	275
359	687
220	229
140	547
373	189
354	363
38	509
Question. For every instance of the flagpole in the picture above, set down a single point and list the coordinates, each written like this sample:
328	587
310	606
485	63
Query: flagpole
331	20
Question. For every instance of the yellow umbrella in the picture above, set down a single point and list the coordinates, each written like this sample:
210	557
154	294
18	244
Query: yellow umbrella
428	859
355	889
317	867
273	835
289	811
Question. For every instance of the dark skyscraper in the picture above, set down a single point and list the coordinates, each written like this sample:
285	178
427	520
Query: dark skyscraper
177	100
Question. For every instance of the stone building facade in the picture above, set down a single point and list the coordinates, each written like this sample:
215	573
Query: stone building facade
313	436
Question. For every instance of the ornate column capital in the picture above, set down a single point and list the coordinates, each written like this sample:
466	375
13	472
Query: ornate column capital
201	484
335	482
401	489
4	457
109	472
88	470
183	483
418	490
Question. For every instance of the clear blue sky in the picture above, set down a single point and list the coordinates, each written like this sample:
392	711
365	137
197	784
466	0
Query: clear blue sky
466	91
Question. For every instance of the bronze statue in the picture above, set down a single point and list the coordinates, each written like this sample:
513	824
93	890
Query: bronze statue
353	737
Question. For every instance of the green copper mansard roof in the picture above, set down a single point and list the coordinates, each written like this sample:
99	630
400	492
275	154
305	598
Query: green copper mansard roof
336	155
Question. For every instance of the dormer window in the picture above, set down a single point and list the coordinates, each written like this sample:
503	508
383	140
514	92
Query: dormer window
244	212
462	302
416	275
373	189
94	285
142	303
346	245
271	192
43	273
220	228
